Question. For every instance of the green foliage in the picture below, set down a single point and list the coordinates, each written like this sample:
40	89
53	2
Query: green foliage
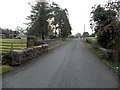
46	18
107	26
65	25
39	24
61	20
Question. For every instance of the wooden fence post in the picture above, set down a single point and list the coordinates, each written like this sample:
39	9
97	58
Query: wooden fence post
11	46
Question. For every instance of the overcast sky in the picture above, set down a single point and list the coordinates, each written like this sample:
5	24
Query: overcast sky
14	12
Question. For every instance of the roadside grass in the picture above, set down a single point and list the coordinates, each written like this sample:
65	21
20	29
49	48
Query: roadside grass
84	41
111	66
5	68
55	44
106	62
99	54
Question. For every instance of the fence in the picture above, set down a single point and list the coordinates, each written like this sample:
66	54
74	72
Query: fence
7	45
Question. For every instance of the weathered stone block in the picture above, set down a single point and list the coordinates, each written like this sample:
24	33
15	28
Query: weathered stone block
17	57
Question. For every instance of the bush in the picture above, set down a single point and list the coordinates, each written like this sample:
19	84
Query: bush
106	54
110	56
101	54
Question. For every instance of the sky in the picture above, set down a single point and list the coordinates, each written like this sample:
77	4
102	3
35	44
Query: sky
13	13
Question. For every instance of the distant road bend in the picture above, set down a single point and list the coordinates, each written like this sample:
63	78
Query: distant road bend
71	65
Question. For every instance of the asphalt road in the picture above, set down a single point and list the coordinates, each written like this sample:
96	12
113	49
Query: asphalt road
71	65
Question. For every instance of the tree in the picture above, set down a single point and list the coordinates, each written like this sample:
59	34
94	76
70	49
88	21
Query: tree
61	20
115	6
65	24
85	34
47	17
106	26
78	35
39	20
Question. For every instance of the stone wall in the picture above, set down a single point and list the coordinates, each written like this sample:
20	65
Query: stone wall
17	57
23	55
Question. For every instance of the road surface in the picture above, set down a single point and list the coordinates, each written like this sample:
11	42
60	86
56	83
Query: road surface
71	65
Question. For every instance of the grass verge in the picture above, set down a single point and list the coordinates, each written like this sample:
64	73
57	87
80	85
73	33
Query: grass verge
99	54
4	69
55	44
84	41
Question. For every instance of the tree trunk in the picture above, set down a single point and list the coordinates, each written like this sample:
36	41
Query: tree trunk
43	38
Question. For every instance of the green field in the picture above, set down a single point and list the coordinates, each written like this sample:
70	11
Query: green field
94	39
6	45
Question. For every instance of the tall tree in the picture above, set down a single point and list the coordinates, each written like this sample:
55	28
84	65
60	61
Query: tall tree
39	19
65	24
61	20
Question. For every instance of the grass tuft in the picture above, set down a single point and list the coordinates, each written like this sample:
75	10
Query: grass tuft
5	68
